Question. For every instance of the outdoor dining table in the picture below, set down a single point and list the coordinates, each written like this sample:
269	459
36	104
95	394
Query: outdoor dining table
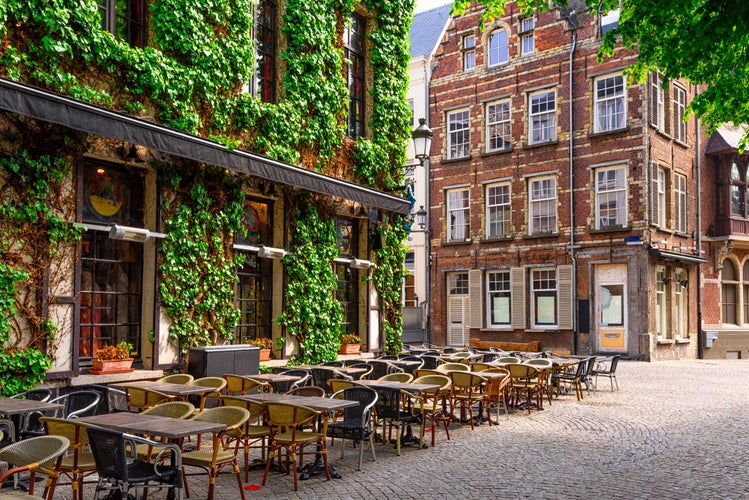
346	370
22	407
272	377
152	425
168	387
403	386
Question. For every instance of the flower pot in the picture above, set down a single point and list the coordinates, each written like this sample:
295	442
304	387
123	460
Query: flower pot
264	354
350	349
104	366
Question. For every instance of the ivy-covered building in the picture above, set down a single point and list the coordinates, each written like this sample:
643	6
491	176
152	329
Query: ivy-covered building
175	173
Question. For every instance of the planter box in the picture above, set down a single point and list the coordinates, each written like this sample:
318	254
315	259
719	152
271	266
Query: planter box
264	354
350	349
106	366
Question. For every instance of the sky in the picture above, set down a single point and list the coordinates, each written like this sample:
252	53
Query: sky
422	5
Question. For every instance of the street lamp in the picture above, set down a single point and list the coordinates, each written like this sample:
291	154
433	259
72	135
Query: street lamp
422	137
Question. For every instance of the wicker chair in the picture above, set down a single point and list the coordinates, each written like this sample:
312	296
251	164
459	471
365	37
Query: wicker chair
402	377
574	379
467	390
380	368
171	409
433	402
305	379
29	425
236	384
498	389
308	391
252	432
366	366
217	383
445	367
394	407
287	423
177	378
526	384
75	465
118	471
140	398
356	423
338	384
215	459
320	377
32	455
545	367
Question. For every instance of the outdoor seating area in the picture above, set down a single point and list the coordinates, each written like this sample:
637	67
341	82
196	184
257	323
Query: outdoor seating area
177	433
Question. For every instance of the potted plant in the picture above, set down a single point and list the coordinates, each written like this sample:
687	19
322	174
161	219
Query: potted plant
265	344
350	344
112	359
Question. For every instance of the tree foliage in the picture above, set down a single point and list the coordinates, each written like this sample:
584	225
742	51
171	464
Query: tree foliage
705	42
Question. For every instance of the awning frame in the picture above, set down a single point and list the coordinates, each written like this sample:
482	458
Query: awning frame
666	255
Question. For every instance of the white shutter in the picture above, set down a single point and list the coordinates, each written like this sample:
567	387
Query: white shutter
566	296
653	193
653	108
455	320
517	298
475	302
466	315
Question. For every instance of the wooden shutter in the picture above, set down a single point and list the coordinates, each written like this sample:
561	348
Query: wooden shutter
566	296
517	298
653	193
455	320
475	296
681	203
653	108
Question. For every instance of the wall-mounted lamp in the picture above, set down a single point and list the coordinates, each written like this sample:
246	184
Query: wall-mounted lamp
684	283
360	264
422	137
271	252
130	154
666	281
127	233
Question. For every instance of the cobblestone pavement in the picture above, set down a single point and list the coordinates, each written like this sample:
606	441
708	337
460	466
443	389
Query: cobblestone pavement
674	430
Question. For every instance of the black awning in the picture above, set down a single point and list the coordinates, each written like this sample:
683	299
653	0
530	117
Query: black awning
682	257
54	108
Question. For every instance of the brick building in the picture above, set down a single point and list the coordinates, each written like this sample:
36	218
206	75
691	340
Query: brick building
559	192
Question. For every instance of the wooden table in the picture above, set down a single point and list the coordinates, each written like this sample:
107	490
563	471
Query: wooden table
402	386
313	402
168	388
346	370
23	407
272	377
152	425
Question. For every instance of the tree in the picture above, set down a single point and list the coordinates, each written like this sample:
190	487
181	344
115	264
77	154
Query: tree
705	42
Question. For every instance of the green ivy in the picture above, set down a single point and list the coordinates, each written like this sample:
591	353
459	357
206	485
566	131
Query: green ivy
388	279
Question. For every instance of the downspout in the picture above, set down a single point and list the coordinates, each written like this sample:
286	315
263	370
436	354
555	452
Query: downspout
700	332
572	204
428	226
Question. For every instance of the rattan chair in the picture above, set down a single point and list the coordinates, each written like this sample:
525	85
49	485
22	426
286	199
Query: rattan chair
398	377
308	391
366	366
434	402
338	384
177	378
467	390
32	455
215	459
75	465
29	425
171	409
216	383
445	367
380	368
526	385
498	390
255	431
120	470
356	421
288	424
305	379
236	384
140	398
545	367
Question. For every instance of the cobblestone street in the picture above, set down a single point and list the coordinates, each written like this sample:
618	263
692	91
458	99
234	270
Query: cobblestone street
674	430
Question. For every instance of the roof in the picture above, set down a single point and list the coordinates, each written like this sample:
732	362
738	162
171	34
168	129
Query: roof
427	29
726	138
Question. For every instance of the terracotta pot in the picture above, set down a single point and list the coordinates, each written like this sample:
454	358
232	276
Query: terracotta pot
100	366
264	354
350	349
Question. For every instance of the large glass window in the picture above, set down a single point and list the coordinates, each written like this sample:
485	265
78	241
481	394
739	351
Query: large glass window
498	211
498	48
125	19
458	134
498	126
611	197
729	292
265	67
354	48
544	297
498	297
542	216
457	215
610	103
542	117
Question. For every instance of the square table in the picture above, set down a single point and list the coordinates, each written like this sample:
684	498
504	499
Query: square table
313	402
168	387
272	377
152	425
23	407
403	386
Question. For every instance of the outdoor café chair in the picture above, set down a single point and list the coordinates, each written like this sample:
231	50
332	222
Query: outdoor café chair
366	366
215	459
308	391
395	408
380	368
217	383
236	384
402	377
75	465
140	398
254	432
171	409
305	379
177	378
290	432
571	379
29	425
498	389
320	377
526	385
434	402
609	372
31	455
444	367
545	367
119	470
467	390
356	423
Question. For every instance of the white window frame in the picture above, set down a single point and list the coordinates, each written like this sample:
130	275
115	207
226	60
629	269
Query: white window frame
542	205
729	283
661	316
458	134
681	304
661	197
680	104
610	191
498	201
458	205
680	196
658	101
610	103
498	296
544	285
542	117
498	129
498	49
527	36
468	45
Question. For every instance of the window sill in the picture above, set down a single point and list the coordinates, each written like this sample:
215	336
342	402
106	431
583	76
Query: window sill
681	143
662	341
497	152
683	340
539	329
456	160
540	144
610	229
536	236
603	133
496	329
497	239
456	242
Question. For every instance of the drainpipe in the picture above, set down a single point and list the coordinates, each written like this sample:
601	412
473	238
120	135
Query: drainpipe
700	332
572	204
428	220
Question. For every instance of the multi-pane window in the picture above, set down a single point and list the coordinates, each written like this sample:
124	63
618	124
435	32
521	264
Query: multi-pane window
661	311
660	219
469	52
542	117
498	212
544	297
609	20
354	50
409	283
657	102
498	48
610	103
265	65
125	19
680	104
729	288
738	190
347	278
457	215
542	206
681	302
458	134
498	126
527	41
498	297
680	196
611	197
